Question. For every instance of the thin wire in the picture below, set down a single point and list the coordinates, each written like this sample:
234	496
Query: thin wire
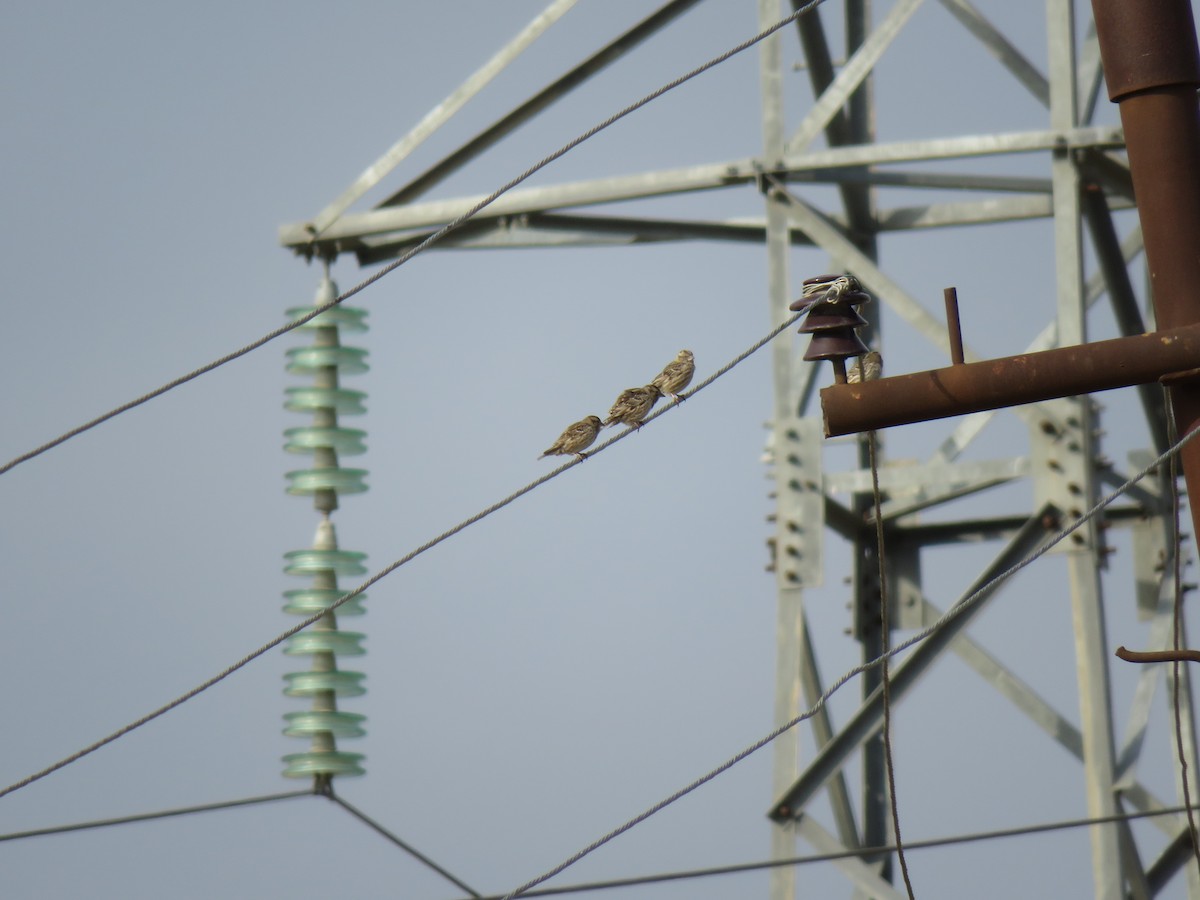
1177	547
885	680
419	248
954	611
416	854
387	570
150	816
861	852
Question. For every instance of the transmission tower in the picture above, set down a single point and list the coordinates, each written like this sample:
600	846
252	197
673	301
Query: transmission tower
1063	169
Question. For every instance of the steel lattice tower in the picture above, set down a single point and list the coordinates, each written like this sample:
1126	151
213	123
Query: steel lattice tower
1082	180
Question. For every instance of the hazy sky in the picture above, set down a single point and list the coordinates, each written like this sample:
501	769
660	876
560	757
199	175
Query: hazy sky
571	660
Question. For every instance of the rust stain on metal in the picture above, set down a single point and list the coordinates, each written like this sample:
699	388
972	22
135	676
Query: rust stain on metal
1009	381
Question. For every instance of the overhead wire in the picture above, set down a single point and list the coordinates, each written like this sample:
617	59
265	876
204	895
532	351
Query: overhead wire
151	816
951	614
387	570
419	248
1176	640
403	845
884	676
327	792
857	853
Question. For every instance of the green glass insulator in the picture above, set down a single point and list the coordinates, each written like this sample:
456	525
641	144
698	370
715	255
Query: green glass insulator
339	643
340	562
333	762
310	360
343	684
341	481
343	401
344	441
310	722
345	318
310	601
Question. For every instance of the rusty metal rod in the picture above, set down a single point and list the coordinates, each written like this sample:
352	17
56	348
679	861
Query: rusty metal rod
1012	380
954	326
1153	656
1152	68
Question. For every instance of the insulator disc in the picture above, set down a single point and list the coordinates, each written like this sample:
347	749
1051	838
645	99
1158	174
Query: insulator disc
310	722
306	765
309	360
309	601
342	481
343	684
311	561
346	318
339	643
835	345
306	439
341	400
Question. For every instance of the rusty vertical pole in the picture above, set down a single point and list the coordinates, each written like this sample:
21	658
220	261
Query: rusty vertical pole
1152	67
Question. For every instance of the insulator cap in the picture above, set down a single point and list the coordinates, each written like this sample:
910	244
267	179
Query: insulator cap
329	762
342	481
344	441
309	360
341	643
310	601
345	318
309	722
311	561
830	316
835	345
342	684
342	400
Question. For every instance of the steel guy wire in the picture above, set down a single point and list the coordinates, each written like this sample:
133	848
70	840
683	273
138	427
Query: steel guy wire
387	570
151	816
419	248
884	678
858	853
1176	632
411	851
952	613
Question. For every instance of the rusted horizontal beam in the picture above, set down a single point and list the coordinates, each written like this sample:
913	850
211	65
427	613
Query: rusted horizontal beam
1010	381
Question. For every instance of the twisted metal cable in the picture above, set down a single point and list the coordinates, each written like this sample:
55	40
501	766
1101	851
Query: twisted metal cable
406	847
151	816
951	614
884	675
419	248
856	853
1176	631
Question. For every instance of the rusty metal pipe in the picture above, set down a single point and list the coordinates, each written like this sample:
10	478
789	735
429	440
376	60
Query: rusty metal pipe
1012	380
1152	68
954	326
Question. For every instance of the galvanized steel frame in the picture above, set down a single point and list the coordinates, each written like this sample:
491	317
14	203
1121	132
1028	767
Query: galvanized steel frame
1080	153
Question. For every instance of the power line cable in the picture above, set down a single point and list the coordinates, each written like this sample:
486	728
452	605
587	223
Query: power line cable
387	570
1176	631
407	848
151	816
419	248
859	853
954	611
884	676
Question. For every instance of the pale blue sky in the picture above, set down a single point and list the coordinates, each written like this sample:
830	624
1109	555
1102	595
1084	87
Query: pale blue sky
571	660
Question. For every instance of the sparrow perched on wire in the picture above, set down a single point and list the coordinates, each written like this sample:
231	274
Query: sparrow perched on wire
633	404
676	375
576	438
867	367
